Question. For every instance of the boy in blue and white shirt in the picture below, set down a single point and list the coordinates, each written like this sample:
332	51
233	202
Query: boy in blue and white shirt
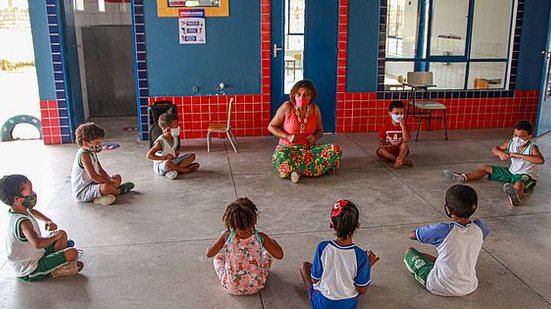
340	271
458	243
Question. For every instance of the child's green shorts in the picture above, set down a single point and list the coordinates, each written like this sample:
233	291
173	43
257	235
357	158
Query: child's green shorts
503	174
418	265
49	262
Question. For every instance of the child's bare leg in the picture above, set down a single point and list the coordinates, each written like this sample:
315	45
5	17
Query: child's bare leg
383	153
108	188
71	254
305	272
61	243
173	167
187	161
401	159
479	173
520	186
428	256
116	180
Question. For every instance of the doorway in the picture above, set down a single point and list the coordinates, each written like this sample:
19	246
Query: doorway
304	46
543	122
103	31
18	79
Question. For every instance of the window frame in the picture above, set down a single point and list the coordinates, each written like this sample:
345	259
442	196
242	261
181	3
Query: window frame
466	58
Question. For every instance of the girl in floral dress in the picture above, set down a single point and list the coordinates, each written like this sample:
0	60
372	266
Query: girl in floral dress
242	255
298	124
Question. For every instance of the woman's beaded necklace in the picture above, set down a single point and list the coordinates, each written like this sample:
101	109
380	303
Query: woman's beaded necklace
304	120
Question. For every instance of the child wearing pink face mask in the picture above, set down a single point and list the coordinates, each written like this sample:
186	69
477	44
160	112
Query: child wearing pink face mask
521	175
298	124
394	137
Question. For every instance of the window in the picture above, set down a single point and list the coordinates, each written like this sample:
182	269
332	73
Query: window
466	44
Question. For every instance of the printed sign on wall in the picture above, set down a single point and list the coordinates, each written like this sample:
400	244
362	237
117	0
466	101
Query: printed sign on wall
192	26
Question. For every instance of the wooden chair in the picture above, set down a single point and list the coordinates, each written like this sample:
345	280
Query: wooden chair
223	128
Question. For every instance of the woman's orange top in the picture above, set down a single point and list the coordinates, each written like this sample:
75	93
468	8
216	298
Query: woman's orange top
293	123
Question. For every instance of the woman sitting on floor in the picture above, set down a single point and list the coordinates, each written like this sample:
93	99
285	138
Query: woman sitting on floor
298	124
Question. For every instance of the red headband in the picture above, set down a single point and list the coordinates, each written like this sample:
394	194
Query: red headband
338	207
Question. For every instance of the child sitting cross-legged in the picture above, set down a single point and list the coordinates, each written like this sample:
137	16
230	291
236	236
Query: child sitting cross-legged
394	137
165	154
341	271
32	255
242	254
452	272
90	182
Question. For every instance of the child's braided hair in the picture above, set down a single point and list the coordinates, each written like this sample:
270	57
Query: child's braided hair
240	214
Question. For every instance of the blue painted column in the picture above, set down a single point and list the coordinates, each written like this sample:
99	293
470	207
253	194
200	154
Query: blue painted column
422	36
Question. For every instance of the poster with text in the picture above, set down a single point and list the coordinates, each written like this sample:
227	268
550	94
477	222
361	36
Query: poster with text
192	26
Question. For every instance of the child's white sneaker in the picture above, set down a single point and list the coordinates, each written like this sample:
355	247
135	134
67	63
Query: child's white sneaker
453	176
105	199
295	176
70	269
512	194
171	174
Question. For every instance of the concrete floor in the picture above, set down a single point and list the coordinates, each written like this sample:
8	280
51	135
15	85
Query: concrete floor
148	250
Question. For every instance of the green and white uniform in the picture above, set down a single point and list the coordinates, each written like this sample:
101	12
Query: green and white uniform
29	263
84	188
520	169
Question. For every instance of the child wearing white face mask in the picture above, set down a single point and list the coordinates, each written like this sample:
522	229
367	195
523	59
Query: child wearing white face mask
89	181
394	137
166	157
523	172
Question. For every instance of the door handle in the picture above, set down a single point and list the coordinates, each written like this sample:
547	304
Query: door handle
276	49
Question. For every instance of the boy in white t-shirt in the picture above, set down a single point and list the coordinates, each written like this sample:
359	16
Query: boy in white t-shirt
165	153
458	243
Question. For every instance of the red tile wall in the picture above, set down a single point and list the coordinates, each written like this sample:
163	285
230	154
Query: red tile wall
363	112
51	133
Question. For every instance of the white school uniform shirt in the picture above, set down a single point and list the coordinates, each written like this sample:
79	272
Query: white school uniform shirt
458	246
339	270
521	166
21	254
166	148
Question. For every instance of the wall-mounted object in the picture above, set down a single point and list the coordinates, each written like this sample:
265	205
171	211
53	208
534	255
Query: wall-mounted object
213	8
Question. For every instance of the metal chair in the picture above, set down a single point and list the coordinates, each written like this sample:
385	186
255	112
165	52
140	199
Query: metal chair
423	109
222	128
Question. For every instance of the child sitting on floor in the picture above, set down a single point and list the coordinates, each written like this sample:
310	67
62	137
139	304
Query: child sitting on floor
243	254
90	182
521	175
394	137
164	154
341	271
452	272
32	255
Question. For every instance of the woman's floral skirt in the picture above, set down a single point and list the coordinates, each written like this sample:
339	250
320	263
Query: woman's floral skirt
314	161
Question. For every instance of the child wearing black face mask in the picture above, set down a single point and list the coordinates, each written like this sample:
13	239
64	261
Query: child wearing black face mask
33	256
90	182
458	243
